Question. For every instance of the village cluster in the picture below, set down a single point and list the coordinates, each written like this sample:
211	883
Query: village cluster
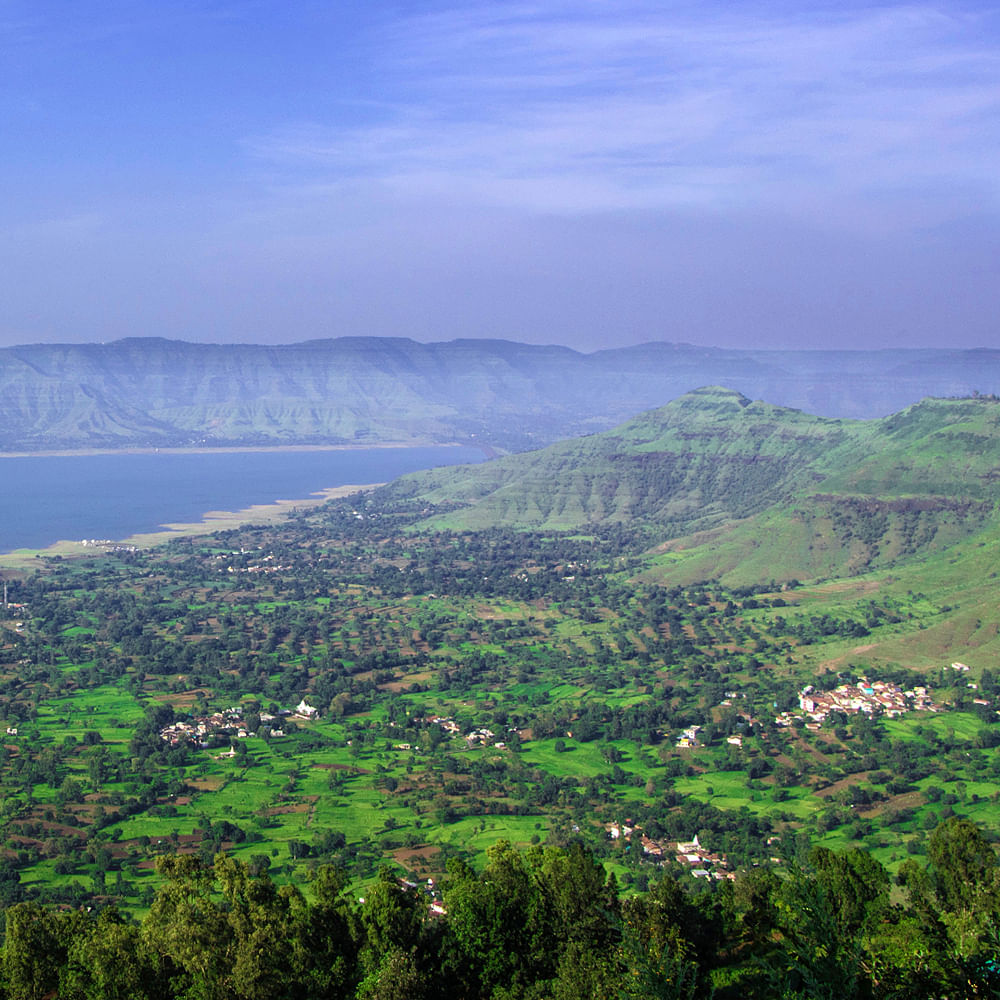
477	737
870	697
230	723
701	862
9	606
265	564
873	698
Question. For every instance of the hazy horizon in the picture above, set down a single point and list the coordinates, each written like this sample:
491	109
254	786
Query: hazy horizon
807	349
759	175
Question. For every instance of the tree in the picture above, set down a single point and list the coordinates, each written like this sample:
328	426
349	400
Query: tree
826	914
326	938
261	929
35	949
396	977
491	923
187	928
966	881
660	958
964	866
392	919
108	961
856	886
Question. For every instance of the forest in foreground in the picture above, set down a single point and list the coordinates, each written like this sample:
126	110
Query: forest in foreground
540	923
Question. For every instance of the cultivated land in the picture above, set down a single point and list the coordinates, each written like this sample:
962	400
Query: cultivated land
530	684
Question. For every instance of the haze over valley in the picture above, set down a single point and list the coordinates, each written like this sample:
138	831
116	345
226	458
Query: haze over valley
364	391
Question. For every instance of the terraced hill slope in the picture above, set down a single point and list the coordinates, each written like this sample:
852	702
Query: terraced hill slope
738	489
367	390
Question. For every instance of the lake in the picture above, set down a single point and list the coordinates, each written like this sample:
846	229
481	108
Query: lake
48	498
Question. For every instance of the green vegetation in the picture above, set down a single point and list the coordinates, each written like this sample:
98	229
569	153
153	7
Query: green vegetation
360	688
471	687
546	922
736	486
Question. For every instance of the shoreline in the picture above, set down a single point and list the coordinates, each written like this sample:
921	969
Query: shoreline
212	520
232	449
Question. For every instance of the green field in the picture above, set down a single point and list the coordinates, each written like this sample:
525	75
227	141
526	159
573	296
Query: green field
533	686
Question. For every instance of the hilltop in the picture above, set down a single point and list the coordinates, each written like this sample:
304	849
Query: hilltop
736	489
150	392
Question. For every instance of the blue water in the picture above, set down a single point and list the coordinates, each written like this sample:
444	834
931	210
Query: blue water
46	499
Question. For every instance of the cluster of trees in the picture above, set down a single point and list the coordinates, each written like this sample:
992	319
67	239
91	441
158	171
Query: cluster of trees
335	621
545	923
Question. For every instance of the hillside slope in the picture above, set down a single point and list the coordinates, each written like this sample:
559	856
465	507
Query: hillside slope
739	490
361	390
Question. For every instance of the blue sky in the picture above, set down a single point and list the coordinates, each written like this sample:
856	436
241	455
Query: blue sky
586	173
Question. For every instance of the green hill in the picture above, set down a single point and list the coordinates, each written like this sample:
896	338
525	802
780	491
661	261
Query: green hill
744	490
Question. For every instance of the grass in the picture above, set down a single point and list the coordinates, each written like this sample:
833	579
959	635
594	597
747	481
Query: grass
579	760
963	725
479	833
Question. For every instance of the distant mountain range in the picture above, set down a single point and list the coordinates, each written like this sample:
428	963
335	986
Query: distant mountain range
747	491
356	390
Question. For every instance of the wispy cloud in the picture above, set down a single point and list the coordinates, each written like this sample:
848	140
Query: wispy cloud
595	106
724	171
